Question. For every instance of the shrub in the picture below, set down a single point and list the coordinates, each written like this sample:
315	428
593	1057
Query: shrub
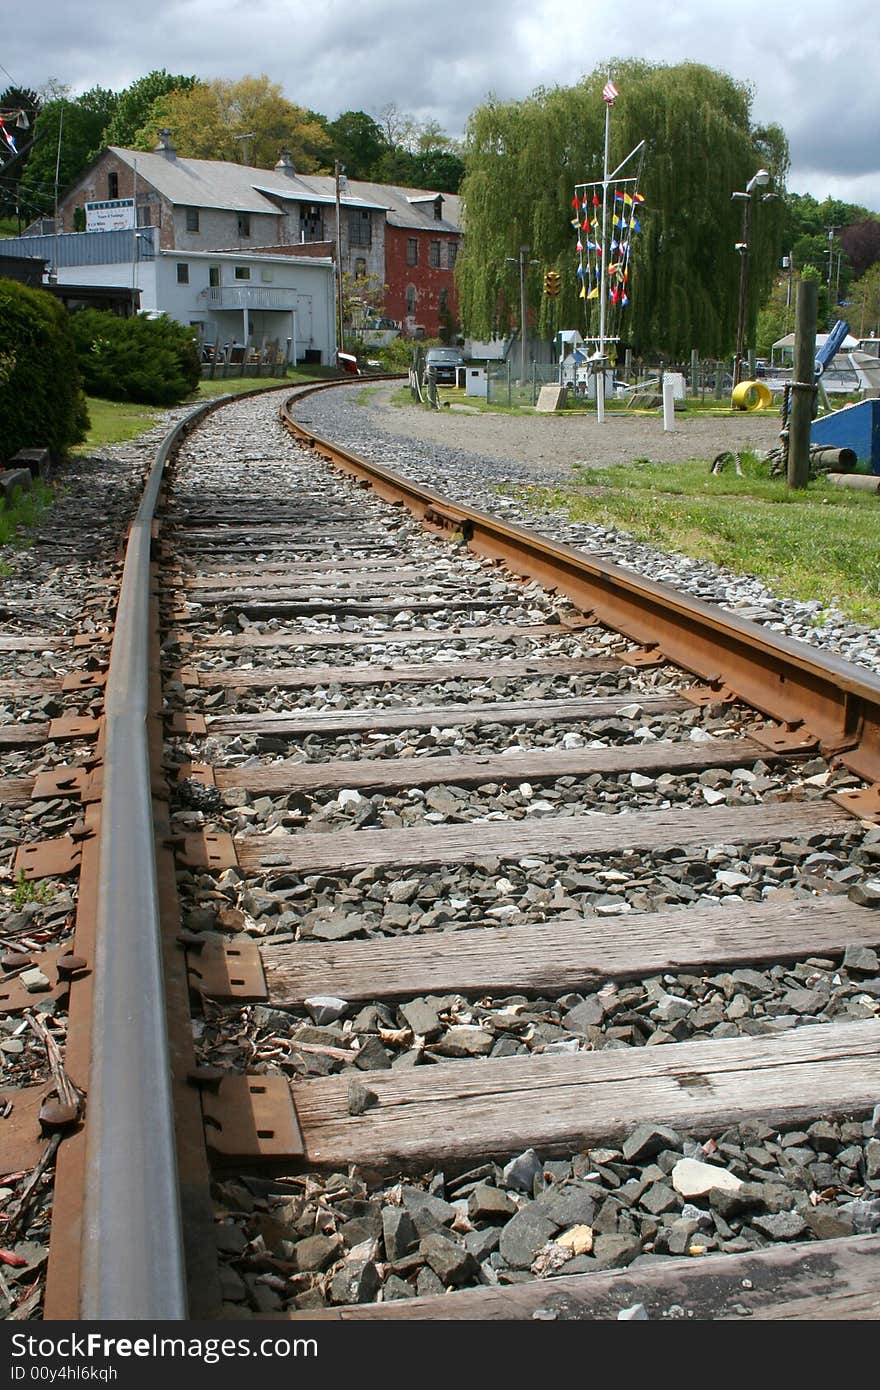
154	361
42	405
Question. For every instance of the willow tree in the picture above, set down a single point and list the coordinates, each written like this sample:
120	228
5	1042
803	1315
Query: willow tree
524	158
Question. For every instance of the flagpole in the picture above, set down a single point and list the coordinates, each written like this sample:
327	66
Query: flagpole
603	284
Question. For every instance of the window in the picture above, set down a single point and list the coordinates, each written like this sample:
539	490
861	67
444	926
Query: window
145	217
311	222
244	224
434	255
410	299
412	250
112	185
451	253
359	227
242	272
444	301
360	269
192	219
79	219
182	273
214	276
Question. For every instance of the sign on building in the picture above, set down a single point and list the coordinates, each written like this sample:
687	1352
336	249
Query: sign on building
117	214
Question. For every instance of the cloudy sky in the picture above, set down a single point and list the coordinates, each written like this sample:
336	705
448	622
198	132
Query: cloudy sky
813	68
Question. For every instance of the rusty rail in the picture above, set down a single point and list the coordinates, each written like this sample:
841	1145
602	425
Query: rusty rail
815	692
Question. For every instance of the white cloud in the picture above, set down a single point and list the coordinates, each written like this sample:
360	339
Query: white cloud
811	71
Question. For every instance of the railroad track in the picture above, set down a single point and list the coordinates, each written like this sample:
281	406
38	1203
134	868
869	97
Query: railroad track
511	917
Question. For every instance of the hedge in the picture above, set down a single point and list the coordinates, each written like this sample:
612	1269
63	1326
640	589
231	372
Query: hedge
153	361
41	399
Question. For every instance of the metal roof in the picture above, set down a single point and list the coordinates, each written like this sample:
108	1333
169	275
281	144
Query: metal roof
215	183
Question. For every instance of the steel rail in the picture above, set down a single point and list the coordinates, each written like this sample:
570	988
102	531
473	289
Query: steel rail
132	1254
798	685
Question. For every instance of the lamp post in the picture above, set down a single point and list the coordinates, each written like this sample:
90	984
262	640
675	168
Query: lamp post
759	180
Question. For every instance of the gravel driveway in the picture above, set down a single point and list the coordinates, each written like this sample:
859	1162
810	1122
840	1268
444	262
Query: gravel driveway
554	442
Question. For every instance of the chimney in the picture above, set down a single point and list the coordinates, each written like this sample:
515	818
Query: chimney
165	146
285	164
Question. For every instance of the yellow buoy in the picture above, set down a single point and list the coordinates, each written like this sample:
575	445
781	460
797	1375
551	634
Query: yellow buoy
751	395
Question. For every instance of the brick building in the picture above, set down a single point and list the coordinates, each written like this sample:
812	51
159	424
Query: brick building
408	238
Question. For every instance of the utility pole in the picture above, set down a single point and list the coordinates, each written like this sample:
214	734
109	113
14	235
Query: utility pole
830	231
524	264
251	135
339	175
802	384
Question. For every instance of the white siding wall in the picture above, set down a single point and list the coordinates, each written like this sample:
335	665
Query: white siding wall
305	286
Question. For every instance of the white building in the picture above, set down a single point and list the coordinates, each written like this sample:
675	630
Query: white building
227	297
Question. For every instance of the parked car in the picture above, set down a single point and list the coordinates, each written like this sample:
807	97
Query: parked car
444	363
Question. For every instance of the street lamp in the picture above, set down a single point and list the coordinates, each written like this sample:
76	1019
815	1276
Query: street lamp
759	180
524	264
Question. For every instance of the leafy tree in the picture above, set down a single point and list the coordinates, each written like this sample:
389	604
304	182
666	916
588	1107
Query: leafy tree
363	299
865	303
134	103
860	242
206	119
75	127
416	155
523	160
138	359
41	403
358	143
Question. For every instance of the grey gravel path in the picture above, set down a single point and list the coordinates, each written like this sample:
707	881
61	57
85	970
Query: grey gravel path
470	456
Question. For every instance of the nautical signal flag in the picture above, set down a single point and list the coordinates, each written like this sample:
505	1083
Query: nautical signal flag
609	93
6	136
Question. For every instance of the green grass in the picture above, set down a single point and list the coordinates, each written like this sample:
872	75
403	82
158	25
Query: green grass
24	513
31	892
821	543
112	422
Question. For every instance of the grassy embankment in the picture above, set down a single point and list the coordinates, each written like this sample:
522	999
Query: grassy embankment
113	422
822	543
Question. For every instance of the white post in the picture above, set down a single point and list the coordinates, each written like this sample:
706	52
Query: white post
668	403
603	282
293	336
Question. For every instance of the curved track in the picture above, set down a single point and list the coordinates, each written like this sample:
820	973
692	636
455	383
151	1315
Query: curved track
410	846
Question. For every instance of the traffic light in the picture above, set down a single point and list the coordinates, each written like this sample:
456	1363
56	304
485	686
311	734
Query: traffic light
551	283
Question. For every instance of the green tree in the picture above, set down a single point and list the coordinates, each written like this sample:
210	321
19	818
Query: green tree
136	359
41	401
416	155
363	299
523	160
357	143
864	308
71	131
209	121
134	103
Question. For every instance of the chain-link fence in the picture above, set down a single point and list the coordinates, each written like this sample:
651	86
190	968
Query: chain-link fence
504	387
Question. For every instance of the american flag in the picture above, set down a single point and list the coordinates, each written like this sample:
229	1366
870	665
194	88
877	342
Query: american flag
609	92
